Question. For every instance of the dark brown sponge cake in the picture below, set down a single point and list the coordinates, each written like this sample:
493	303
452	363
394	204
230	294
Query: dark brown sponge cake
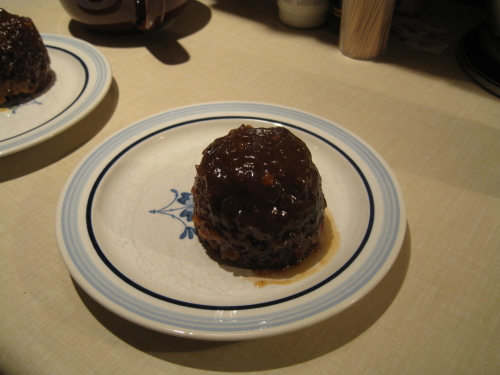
24	61
258	201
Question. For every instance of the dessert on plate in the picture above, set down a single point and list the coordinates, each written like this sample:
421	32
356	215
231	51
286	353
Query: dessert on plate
258	202
24	60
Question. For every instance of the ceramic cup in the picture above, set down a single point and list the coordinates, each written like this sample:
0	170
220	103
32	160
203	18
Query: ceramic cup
123	16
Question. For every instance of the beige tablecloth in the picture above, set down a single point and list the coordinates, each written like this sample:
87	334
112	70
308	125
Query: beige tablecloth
435	312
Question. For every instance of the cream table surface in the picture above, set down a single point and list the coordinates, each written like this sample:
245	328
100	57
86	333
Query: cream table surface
436	311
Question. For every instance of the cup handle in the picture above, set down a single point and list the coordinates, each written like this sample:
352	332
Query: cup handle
149	13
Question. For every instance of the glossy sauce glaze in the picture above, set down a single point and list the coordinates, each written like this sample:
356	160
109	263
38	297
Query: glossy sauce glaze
315	262
258	199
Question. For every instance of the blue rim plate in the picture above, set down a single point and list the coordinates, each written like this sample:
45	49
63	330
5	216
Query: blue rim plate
125	233
82	77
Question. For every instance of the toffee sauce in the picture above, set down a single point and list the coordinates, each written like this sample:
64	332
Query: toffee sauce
318	259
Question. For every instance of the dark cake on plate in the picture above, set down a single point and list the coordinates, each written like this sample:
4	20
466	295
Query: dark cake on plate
258	201
24	61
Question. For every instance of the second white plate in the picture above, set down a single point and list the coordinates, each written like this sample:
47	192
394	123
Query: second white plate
124	229
82	79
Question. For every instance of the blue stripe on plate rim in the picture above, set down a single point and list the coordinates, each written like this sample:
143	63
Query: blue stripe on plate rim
86	54
218	307
100	64
391	226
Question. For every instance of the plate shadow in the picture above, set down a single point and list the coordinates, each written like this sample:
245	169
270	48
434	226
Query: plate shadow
273	352
56	148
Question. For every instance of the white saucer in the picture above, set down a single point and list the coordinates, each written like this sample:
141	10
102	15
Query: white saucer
124	231
82	79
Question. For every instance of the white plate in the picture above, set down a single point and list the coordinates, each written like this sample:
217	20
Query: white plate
82	78
123	227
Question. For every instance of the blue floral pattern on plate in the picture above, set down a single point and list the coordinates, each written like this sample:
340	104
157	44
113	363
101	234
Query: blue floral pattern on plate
13	106
186	214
